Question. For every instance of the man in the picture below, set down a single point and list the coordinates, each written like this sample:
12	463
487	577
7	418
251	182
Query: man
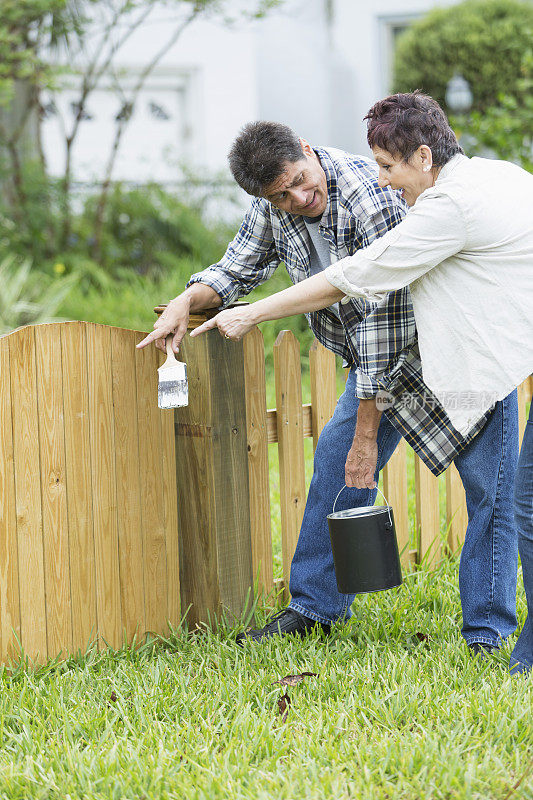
312	207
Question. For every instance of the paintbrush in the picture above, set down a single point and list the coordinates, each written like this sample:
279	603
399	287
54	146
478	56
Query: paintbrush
173	390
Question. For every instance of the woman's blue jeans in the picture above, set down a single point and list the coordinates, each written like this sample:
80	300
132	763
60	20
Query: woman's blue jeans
488	567
522	655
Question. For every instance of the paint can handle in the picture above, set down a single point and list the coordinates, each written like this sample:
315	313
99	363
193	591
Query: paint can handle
381	493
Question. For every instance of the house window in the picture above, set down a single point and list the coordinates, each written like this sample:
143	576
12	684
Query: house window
155	135
391	27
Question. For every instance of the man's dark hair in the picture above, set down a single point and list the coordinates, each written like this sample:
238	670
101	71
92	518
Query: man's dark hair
402	122
259	153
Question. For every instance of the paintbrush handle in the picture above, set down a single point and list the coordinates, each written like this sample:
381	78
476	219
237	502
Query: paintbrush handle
171	357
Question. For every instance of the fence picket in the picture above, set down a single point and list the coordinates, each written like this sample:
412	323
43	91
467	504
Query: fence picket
128	481
427	514
291	444
456	513
323	387
522	392
9	571
104	488
395	490
28	493
257	432
151	495
79	484
53	488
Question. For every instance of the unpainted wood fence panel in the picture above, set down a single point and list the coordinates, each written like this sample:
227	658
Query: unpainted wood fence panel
427	514
151	495
53	488
290	444
323	387
73	482
395	491
456	513
128	481
28	493
9	569
79	491
258	470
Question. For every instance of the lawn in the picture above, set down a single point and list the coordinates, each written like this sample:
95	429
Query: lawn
397	709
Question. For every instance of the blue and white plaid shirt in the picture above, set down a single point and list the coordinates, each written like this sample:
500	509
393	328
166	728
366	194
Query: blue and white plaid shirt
378	339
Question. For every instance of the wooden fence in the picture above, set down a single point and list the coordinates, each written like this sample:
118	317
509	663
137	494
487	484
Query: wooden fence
88	512
111	511
291	422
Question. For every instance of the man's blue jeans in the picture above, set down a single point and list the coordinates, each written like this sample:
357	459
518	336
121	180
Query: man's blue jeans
522	655
488	567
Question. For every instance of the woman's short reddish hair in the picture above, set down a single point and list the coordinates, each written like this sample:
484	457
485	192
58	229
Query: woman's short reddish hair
401	123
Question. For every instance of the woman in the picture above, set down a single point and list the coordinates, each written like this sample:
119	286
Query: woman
466	250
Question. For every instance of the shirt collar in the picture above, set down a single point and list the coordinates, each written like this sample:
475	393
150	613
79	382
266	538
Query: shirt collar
450	166
329	217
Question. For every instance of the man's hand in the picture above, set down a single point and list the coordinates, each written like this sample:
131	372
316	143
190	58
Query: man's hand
361	463
362	457
234	323
175	318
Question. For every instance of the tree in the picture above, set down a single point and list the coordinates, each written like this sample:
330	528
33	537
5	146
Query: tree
484	40
90	34
25	30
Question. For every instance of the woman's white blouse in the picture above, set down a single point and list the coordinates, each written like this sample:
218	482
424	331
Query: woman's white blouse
466	249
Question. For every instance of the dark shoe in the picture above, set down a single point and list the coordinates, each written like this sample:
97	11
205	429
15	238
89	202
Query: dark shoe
286	623
481	649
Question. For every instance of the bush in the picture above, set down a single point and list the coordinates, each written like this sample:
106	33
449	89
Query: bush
484	40
27	296
146	229
504	130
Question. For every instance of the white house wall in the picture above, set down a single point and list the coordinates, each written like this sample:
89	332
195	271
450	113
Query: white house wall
314	64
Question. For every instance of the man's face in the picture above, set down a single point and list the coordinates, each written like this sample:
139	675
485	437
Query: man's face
302	187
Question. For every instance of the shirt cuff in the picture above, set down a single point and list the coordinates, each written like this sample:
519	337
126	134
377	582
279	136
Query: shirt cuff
366	387
335	275
220	282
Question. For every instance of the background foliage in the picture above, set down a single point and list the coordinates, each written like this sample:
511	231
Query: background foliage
483	40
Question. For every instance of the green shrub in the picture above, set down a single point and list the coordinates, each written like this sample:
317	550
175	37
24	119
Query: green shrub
504	130
28	296
146	229
484	40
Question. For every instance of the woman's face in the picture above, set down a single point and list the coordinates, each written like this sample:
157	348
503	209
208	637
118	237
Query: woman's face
413	177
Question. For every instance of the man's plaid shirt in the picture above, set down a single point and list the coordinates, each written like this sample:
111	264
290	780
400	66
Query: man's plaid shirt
378	339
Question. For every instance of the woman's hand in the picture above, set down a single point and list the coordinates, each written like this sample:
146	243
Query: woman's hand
234	323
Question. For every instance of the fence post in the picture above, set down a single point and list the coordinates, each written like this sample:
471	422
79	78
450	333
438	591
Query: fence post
212	479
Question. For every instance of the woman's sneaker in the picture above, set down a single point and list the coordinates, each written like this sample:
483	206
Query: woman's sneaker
287	622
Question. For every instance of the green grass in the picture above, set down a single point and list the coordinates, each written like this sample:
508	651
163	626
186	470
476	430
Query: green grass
194	716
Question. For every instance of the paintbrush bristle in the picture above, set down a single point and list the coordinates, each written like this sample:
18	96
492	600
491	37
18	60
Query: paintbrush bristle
173	390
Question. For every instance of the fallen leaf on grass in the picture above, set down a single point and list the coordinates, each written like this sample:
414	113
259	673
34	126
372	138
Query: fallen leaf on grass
422	637
283	704
292	680
113	697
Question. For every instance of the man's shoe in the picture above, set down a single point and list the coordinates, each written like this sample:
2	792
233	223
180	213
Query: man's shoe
481	649
286	623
